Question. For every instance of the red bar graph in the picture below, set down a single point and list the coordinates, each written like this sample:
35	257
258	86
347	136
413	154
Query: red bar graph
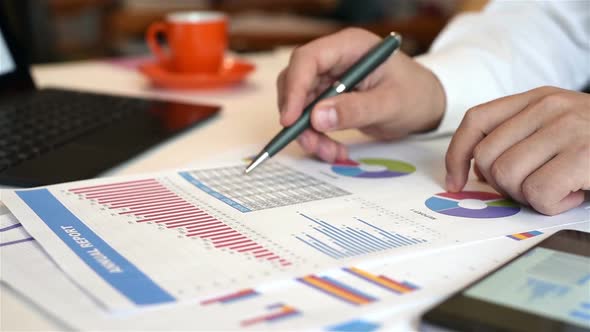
277	312
233	297
151	201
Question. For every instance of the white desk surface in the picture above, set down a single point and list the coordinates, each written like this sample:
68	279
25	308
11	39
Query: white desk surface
249	116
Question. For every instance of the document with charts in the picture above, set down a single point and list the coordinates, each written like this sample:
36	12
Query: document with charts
434	274
181	236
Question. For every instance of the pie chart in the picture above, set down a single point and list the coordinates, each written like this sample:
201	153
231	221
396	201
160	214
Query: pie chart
375	168
472	204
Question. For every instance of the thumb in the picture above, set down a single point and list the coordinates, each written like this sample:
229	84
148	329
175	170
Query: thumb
349	110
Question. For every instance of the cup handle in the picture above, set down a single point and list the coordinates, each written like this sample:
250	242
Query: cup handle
151	37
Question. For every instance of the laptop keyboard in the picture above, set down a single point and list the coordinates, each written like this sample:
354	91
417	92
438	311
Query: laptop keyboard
34	124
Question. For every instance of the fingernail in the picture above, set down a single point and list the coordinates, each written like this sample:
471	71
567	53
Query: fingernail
327	118
449	183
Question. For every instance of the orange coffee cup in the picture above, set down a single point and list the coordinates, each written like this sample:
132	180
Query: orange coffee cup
197	41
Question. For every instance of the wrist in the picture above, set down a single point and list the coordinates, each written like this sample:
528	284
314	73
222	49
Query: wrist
428	100
438	102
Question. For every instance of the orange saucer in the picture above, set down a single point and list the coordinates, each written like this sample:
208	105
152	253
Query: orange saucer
232	72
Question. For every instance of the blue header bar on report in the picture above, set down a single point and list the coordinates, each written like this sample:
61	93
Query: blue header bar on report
111	266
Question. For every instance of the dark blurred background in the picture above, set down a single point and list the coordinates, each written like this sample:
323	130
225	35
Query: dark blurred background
63	30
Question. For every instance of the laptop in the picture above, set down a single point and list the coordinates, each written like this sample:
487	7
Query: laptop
49	136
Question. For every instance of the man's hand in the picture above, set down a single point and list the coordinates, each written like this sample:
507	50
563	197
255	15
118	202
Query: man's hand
533	147
398	98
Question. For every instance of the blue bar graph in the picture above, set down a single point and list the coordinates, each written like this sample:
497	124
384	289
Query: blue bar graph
584	279
582	312
541	289
356	325
347	241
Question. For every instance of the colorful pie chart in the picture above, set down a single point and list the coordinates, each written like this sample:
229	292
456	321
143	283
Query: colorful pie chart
373	168
472	204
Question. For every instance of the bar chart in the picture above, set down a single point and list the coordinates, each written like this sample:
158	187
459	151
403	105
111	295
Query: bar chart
276	312
539	289
358	325
524	235
151	201
354	286
232	297
337	289
581	313
346	241
382	281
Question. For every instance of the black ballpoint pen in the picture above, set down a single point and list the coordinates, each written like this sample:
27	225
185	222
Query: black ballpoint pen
356	73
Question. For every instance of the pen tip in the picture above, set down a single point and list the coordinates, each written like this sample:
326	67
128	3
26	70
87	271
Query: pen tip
259	160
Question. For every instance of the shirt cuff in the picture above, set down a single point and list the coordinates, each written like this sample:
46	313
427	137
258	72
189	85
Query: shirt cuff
466	81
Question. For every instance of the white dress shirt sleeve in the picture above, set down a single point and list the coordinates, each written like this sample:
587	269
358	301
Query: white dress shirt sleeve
510	47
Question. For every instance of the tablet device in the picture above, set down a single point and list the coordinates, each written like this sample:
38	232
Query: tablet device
547	288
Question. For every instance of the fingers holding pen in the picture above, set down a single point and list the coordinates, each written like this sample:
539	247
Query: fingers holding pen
321	145
351	110
380	104
318	61
357	109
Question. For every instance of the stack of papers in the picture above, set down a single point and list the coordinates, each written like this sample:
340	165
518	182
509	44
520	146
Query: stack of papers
360	245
